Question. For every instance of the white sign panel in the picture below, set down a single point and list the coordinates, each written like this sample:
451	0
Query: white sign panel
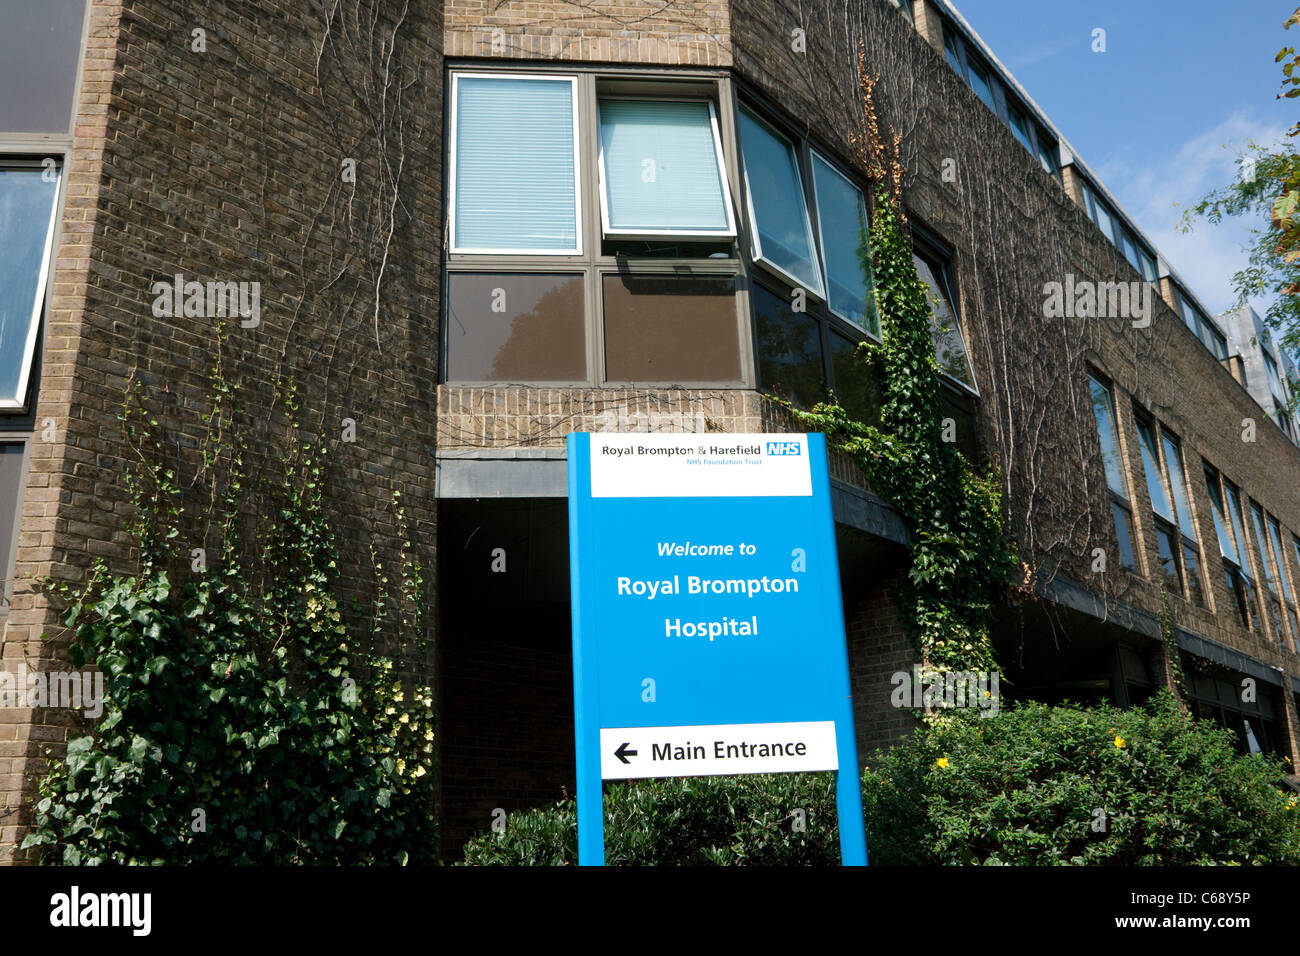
629	753
710	465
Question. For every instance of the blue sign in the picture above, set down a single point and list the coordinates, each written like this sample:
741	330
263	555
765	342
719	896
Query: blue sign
708	629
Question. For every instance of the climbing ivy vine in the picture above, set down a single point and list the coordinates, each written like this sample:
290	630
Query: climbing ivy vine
953	514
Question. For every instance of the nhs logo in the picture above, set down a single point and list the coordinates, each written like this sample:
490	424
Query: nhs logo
783	448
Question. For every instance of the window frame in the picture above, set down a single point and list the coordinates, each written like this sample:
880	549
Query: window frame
816	154
774	280
1125	501
453	144
797	147
940	261
602	181
24	442
21	404
595	263
1188	541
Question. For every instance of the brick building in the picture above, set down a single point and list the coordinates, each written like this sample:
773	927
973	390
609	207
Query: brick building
475	228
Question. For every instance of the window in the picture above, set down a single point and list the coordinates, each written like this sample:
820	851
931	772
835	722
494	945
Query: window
778	211
1267	571
11	486
514	167
1281	412
1295	619
814	301
28	195
1214	694
39	49
521	327
541	291
945	329
1205	330
842	222
1103	408
649	319
1168	543
661	170
1243	545
1124	239
1186	522
1233	554
981	84
1002	101
1275	539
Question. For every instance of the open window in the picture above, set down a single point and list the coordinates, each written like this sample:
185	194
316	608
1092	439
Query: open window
28	194
778	208
1103	409
945	328
661	170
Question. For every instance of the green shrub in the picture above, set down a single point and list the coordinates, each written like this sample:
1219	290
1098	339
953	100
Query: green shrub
238	725
1068	785
697	821
1034	785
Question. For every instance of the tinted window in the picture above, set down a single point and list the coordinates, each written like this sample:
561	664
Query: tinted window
40	44
515	328
789	350
661	328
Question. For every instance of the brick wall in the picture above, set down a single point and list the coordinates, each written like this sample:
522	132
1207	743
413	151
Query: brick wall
692	32
227	164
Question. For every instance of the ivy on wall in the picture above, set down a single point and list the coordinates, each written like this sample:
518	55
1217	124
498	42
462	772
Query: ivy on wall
249	717
960	556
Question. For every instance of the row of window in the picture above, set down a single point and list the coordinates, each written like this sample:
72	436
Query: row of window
1174	527
1281	413
977	72
671	284
1141	258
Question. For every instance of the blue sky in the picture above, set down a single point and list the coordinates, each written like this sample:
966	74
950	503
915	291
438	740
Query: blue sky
1179	81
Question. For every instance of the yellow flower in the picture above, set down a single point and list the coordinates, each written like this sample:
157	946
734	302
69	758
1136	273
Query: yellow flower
1120	742
941	762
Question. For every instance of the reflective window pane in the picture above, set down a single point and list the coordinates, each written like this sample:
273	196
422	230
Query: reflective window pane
513	163
1151	467
40	44
789	350
1124	534
519	327
670	328
1192	563
842	216
1178	481
1019	126
855	384
1169	560
11	479
1275	539
27	202
1227	547
660	165
982	85
1261	539
782	231
949	346
1103	411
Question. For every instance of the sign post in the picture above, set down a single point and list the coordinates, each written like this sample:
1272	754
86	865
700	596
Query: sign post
708	628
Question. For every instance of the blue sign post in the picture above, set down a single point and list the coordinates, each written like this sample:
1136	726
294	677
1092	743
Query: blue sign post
708	629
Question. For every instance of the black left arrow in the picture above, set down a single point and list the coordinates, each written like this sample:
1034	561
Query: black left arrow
622	753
